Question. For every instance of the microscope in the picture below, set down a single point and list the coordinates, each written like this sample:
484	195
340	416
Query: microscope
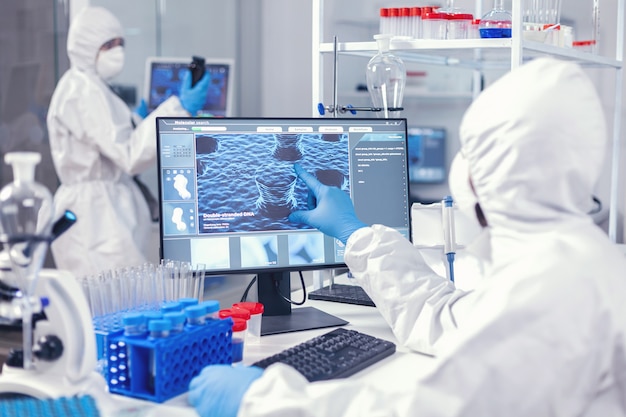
58	356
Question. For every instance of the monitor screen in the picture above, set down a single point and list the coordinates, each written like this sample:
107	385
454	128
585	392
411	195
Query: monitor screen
227	186
164	76
427	155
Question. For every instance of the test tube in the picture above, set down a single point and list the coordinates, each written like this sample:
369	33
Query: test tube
178	320
158	329
212	308
188	301
383	26
196	315
171	306
199	277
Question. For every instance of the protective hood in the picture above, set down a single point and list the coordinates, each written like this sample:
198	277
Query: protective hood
535	142
90	29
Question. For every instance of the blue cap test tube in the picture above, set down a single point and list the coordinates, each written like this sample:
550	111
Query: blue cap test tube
178	320
171	306
195	315
212	309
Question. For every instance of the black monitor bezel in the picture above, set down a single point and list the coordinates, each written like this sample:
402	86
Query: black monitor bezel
290	268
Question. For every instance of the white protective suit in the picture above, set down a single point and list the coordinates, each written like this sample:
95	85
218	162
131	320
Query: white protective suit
96	151
544	331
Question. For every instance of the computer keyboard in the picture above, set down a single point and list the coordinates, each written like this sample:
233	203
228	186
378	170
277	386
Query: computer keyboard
341	293
336	354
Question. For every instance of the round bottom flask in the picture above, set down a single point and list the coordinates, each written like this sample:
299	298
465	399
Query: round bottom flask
496	23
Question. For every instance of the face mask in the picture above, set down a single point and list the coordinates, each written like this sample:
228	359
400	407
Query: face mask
110	62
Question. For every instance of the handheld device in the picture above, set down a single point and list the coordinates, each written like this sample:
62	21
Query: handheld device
197	68
163	76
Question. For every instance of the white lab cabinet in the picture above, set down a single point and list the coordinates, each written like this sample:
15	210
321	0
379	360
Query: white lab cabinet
473	59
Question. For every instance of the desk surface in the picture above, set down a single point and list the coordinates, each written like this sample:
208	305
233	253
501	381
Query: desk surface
401	368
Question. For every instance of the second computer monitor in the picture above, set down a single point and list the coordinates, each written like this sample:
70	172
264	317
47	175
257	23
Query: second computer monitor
427	155
164	76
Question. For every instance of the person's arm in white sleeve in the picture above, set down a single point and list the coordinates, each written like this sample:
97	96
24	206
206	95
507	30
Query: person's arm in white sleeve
413	299
418	304
521	355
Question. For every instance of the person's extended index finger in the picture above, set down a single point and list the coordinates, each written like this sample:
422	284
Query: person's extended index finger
310	180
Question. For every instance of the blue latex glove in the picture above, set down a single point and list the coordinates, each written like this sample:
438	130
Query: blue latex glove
192	98
334	212
142	109
218	390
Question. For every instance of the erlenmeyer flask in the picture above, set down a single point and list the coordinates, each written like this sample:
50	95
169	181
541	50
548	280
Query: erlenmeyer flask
496	23
386	78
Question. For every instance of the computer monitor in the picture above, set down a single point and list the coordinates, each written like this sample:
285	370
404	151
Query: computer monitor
427	155
164	76
226	187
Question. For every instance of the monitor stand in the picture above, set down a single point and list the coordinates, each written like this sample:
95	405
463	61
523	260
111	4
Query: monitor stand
278	316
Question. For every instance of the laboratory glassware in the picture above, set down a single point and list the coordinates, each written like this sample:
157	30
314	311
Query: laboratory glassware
496	23
541	12
386	78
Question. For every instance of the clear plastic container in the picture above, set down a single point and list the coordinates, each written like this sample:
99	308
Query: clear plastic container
434	25
384	23
235	312
240	327
459	25
256	319
416	22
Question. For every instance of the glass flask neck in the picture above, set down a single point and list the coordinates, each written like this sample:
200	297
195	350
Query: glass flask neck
498	4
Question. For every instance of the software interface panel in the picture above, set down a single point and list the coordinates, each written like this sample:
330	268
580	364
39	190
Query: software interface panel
227	187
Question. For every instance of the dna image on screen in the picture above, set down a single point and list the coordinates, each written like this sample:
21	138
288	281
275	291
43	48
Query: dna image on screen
246	182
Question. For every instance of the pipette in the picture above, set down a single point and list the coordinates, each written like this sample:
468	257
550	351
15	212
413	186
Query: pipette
449	238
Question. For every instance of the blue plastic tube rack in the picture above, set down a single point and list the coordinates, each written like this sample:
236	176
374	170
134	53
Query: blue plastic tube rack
177	359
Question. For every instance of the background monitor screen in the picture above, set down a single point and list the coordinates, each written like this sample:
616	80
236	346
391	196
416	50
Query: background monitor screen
227	186
427	154
164	77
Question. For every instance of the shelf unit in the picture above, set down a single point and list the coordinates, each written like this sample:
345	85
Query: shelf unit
480	55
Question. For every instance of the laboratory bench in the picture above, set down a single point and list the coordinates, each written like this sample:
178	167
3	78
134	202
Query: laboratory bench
401	368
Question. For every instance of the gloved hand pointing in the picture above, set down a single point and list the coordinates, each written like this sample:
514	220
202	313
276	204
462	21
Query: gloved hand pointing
218	390
334	214
192	98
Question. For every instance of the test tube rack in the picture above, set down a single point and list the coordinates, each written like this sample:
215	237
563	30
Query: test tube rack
160	369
